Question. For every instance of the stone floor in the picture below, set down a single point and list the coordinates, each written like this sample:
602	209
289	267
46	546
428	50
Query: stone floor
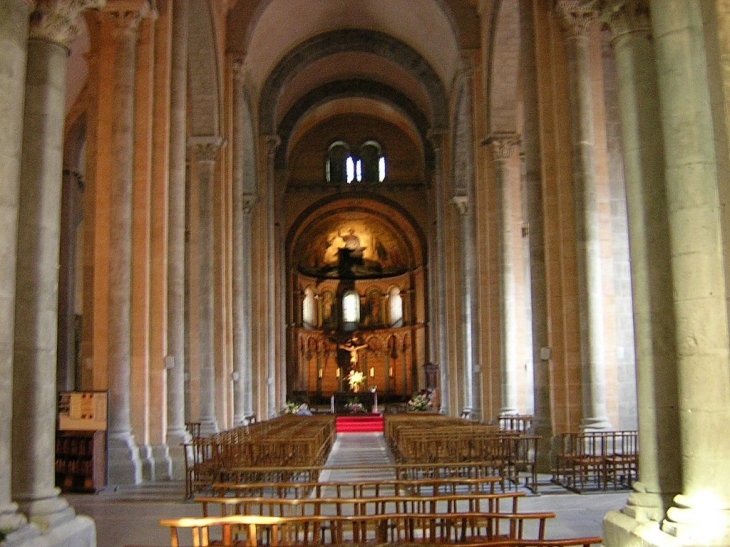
129	516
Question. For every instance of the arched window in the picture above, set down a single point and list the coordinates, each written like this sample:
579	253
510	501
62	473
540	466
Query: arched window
350	310
373	162
338	160
308	309
395	307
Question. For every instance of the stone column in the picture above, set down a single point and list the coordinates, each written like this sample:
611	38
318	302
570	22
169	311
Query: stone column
468	267
576	22
13	55
531	147
36	305
205	152
124	465
241	268
501	147
175	359
437	277
654	331
272	143
701	515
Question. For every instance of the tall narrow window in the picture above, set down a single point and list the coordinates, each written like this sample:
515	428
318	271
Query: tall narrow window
395	307
350	169
308	309
338	155
373	170
350	310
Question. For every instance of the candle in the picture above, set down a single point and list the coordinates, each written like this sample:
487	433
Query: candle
390	372
319	373
338	373
372	372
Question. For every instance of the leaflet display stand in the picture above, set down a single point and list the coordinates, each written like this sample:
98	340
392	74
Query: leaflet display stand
81	441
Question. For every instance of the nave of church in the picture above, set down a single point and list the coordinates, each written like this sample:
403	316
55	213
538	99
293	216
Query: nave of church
213	209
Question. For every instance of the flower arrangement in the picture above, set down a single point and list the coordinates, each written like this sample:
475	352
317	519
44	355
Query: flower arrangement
420	402
354	407
355	379
291	408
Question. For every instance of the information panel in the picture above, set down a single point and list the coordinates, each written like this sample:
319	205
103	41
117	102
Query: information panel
82	411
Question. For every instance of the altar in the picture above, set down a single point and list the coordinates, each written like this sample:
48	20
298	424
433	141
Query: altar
341	400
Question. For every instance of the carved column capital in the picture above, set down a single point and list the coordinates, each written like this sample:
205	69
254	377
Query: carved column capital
55	20
625	16
462	204
239	67
205	149
247	202
126	16
575	16
272	144
502	144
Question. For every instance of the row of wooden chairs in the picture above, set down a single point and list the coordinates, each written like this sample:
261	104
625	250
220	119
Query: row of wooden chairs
431	486
287	441
596	460
506	452
486	529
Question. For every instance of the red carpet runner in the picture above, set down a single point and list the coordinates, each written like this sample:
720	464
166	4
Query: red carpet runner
363	423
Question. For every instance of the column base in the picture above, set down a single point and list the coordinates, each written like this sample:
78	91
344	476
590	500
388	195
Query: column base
78	532
123	463
208	428
175	442
162	463
695	523
620	530
595	424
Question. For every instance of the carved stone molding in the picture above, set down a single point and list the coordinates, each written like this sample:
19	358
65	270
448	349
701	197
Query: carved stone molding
205	149
575	16
502	144
55	20
625	16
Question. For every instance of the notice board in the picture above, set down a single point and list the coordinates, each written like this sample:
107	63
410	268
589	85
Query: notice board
82	411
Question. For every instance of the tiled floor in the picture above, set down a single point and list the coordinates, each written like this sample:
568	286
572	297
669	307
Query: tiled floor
130	515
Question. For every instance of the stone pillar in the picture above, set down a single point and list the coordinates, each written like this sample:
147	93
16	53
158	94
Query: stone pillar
241	268
175	359
205	153
542	423
501	147
124	466
272	143
654	329
468	268
576	22
36	305
13	55
701	515
437	277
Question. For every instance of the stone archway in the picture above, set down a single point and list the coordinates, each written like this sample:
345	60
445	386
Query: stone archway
355	249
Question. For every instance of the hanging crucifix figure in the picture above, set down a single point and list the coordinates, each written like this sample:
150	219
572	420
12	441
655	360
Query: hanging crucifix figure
352	347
